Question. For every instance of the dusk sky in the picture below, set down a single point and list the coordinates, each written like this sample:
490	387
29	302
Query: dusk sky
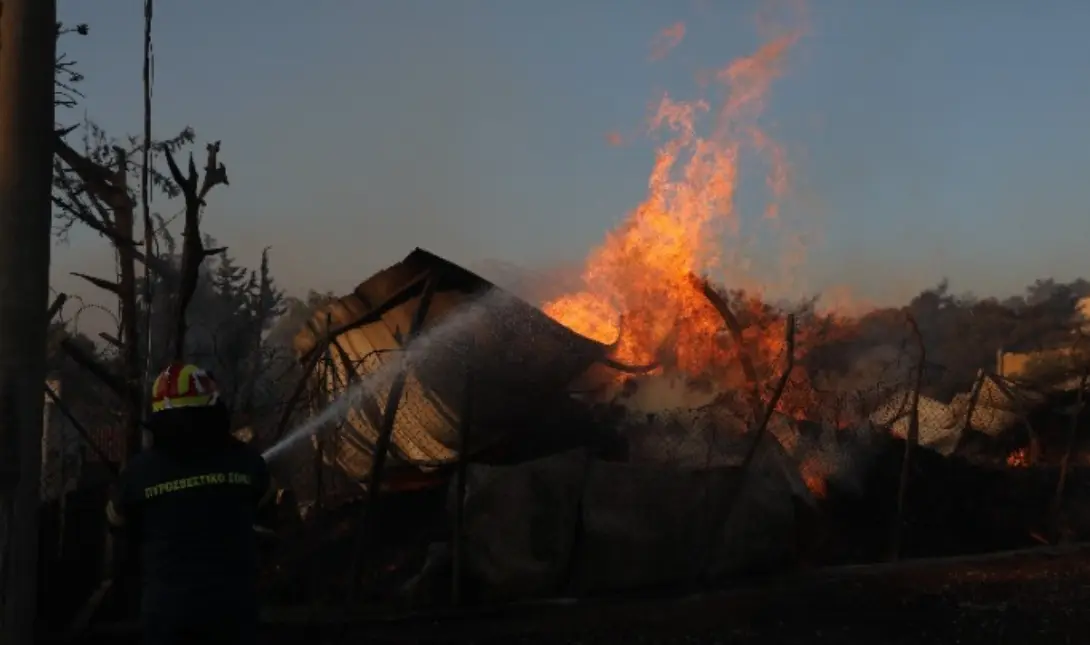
927	138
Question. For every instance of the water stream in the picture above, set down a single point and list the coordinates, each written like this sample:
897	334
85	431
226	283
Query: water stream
450	328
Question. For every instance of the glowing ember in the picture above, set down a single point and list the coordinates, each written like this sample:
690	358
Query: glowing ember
1018	459
814	477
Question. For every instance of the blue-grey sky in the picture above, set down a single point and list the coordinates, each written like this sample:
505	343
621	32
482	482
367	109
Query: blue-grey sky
927	138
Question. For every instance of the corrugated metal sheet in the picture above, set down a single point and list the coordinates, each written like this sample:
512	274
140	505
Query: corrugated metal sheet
993	396
941	425
939	429
998	405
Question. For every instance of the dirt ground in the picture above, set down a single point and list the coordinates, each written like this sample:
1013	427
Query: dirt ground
1039	596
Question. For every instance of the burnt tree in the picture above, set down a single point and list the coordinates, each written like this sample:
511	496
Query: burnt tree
194	188
95	191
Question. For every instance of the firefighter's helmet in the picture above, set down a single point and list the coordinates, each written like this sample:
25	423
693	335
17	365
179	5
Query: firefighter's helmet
183	386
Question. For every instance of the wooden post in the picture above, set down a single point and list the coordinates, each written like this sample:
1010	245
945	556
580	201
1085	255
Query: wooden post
27	54
464	446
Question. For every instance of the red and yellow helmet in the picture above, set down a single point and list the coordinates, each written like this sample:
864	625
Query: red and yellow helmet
183	386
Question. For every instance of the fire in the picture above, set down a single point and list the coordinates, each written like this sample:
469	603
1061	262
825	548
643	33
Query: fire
1018	459
637	286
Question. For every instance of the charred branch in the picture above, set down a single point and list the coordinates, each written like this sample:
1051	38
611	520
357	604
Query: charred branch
735	329
773	401
110	339
79	202
55	308
631	369
87	200
106	285
104	184
159	266
634	369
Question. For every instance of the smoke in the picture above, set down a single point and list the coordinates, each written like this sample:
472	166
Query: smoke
663	392
869	366
532	285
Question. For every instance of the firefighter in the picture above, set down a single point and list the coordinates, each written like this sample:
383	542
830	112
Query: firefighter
189	505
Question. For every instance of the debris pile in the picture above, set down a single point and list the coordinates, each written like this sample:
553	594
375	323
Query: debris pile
585	475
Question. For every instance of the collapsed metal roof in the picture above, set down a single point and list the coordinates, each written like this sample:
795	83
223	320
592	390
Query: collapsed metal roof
518	359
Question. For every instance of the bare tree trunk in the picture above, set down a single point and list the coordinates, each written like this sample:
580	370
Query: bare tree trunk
27	49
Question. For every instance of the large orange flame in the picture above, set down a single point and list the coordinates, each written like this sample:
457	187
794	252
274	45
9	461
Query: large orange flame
637	288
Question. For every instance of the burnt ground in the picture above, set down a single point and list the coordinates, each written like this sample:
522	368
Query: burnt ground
1038	596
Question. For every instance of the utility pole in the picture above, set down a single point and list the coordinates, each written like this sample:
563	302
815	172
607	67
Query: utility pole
27	53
